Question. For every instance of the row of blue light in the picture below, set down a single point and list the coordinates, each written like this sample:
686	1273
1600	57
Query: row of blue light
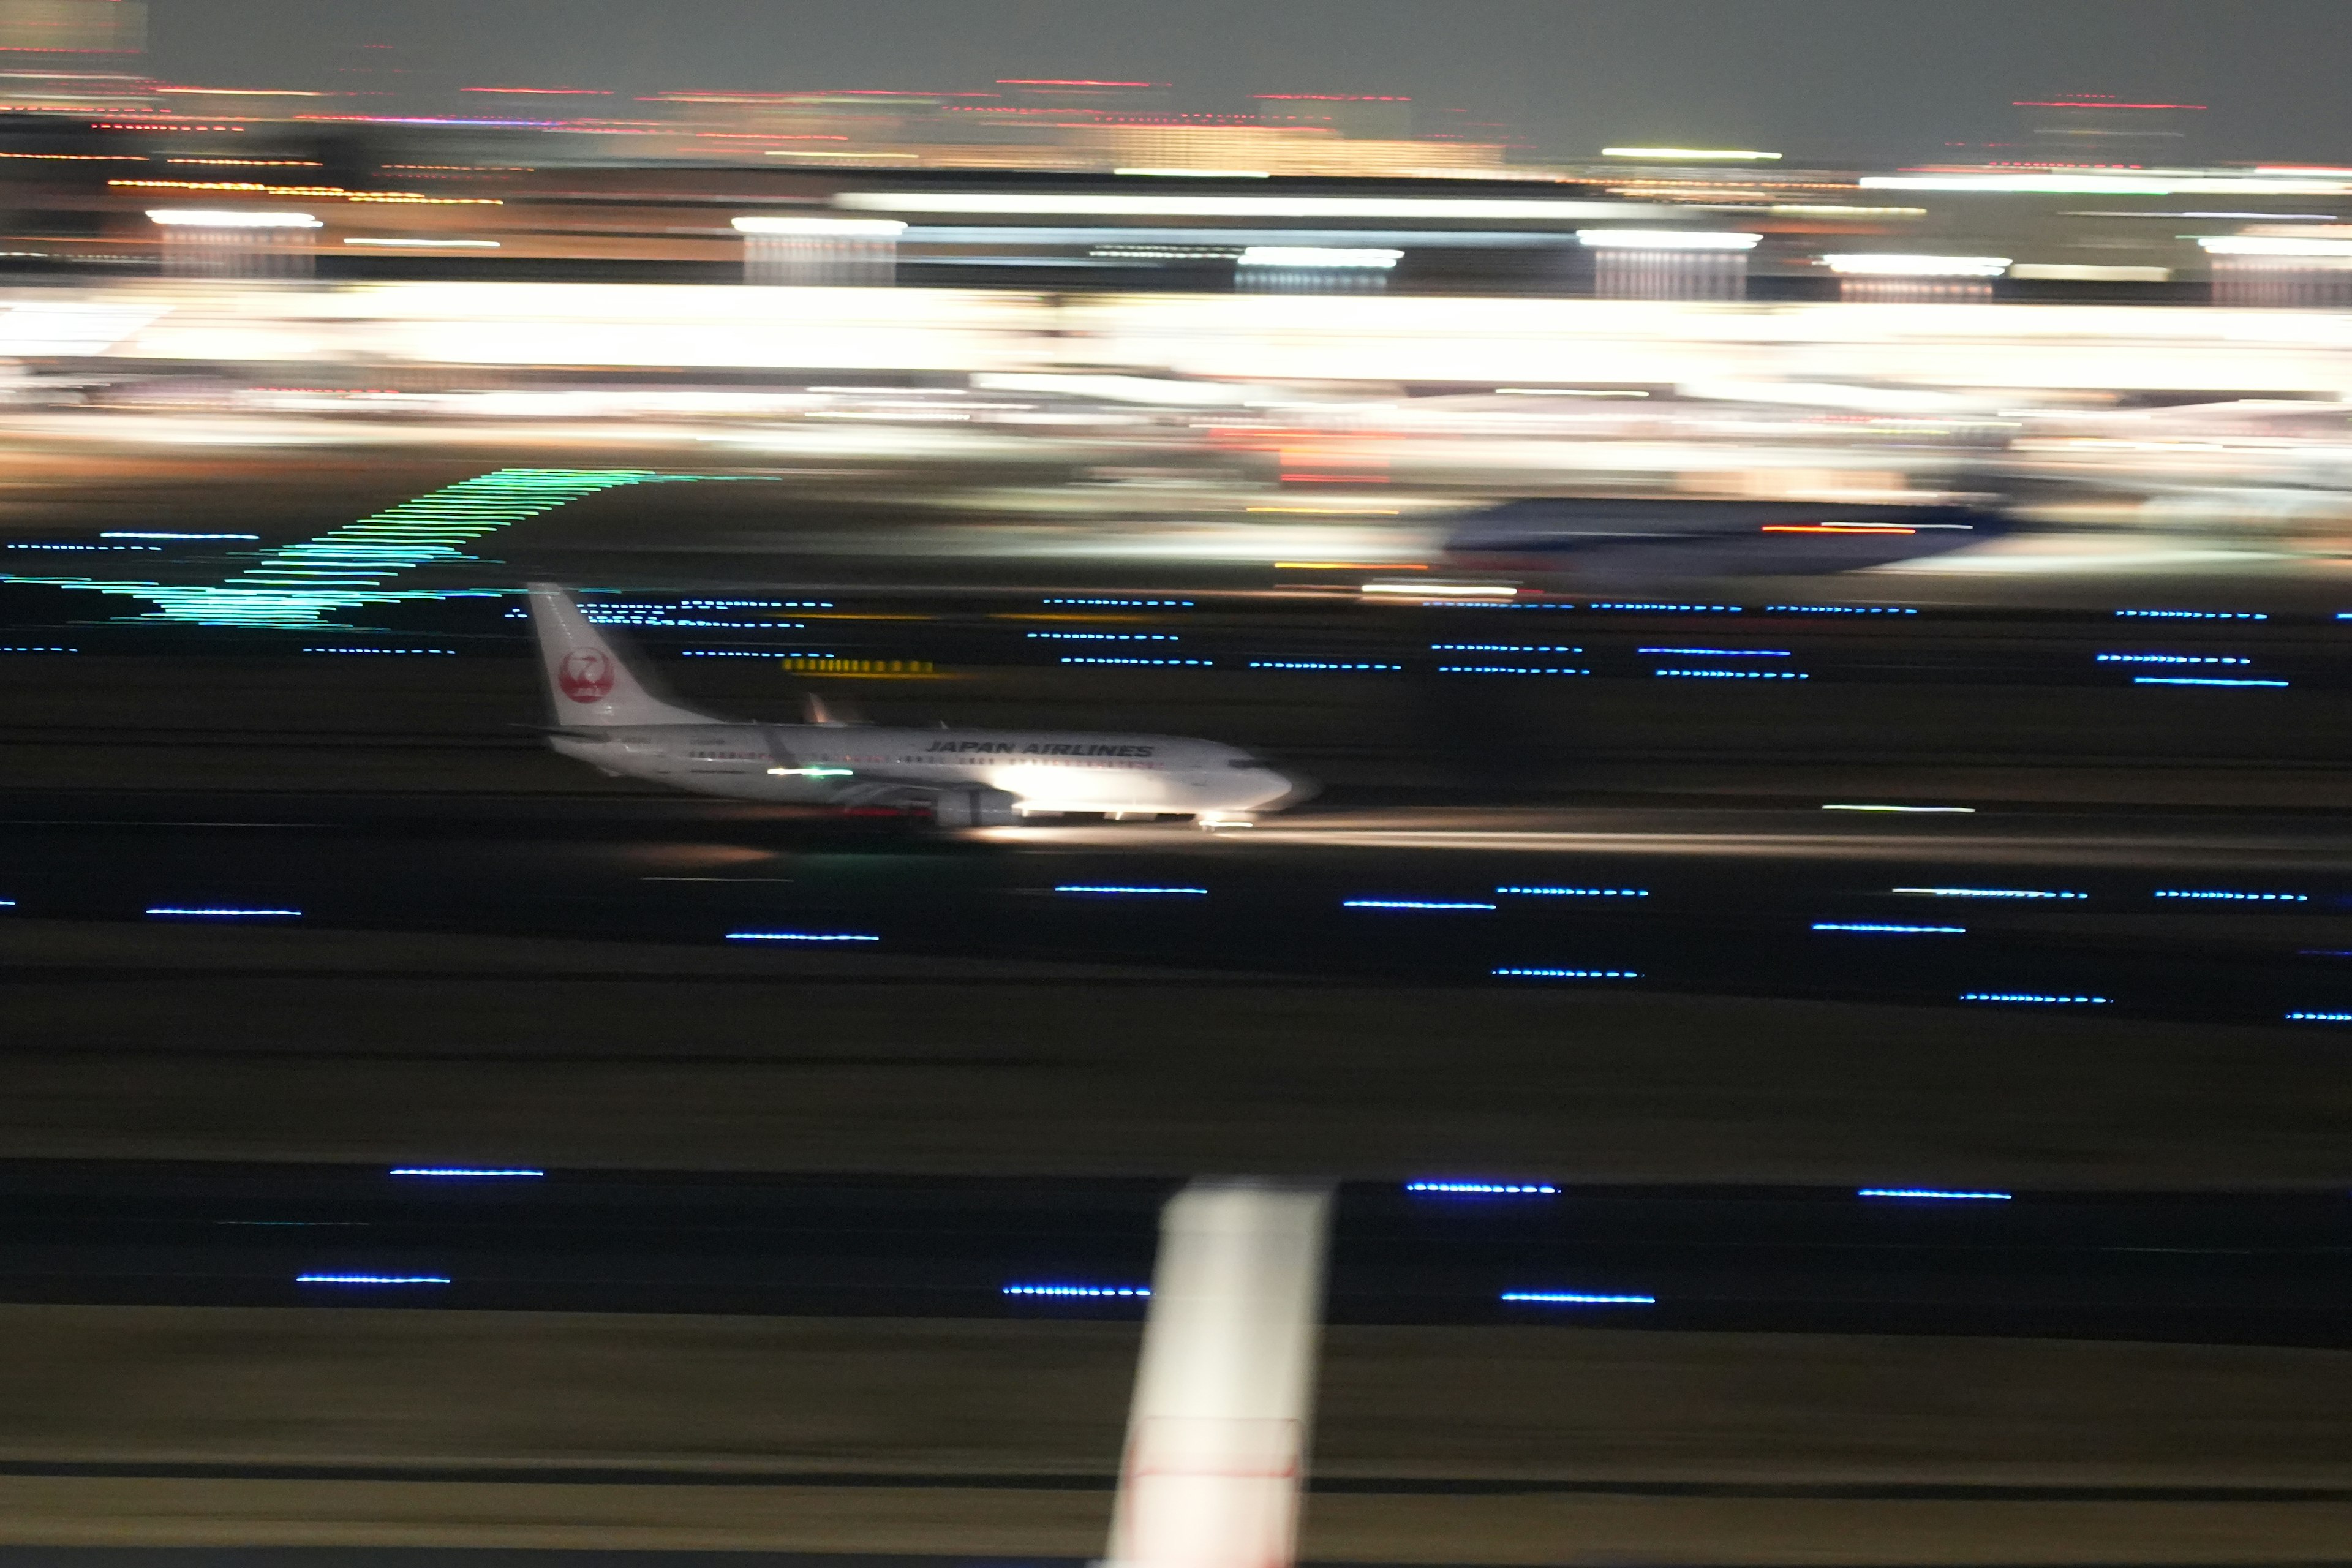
798	936
1720	652
1862	928
1315	663
2198	680
1500	648
1125	604
1116	891
1990	894
181	912
91	549
1839	610
39	649
388	652
1436	904
1522	974
1506	669
2189	615
1732	675
2036	998
1190	663
2169	659
1577	892
1104	637
2219	896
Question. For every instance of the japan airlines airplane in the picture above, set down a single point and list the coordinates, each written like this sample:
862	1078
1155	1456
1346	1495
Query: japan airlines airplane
606	717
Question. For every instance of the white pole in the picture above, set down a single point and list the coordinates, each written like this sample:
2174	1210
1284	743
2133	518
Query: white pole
1216	1440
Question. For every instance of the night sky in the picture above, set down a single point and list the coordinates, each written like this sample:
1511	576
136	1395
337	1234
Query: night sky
1864	78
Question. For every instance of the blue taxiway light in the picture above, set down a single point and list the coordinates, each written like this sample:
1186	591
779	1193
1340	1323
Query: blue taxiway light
2197	680
1868	928
129	533
1089	1291
1566	973
796	936
1576	1299
1990	894
7	903
1732	675
2168	658
1312	663
1721	652
2035	997
391	652
1125	604
1507	670
1107	890
39	649
2319	1018
1410	904
1839	610
164	912
1190	662
755	604
1104	637
1484	1189
2189	615
1934	1194
372	1279
1699	609
2219	896
463	1173
1499	648
1577	892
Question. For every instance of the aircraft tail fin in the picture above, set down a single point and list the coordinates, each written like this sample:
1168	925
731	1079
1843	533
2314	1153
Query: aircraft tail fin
592	683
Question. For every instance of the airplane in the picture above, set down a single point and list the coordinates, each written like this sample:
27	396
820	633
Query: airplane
610	717
1635	537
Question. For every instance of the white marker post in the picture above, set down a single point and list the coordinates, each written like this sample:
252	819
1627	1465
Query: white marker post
1225	1391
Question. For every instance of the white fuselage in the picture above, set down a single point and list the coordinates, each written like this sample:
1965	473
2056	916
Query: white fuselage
826	764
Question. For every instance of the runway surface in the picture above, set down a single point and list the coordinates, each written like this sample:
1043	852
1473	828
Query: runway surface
2241	919
2244	1268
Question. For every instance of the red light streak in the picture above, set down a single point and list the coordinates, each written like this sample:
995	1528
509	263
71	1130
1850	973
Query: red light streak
1835	528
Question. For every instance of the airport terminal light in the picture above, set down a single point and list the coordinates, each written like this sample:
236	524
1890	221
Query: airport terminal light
1867	266
2266	244
210	218
820	251
209	242
2275	272
1314	269
1908	280
1208	205
1665	239
1692	154
1669	263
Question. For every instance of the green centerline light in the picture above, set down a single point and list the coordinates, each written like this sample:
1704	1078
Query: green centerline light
295	585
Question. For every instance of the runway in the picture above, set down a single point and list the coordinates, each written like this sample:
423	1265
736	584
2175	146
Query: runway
2255	1268
2152	915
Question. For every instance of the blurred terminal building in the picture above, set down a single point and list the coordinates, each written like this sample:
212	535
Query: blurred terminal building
1086	186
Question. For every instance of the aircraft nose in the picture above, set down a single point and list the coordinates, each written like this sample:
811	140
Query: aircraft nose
1297	788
